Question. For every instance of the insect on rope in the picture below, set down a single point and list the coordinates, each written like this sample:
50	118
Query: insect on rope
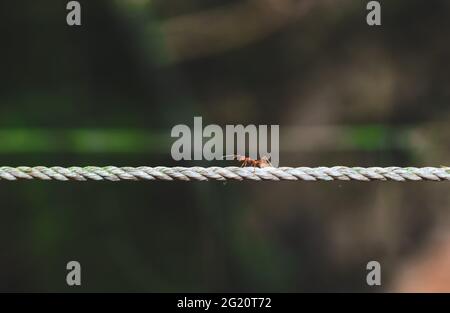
246	161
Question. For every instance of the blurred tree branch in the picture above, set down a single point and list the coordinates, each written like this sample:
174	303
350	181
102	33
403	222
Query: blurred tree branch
221	29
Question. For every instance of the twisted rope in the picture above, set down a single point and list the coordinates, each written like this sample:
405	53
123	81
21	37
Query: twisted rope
112	173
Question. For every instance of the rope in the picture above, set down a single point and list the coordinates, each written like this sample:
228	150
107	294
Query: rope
112	173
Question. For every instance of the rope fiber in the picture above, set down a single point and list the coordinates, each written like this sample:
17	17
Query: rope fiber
144	173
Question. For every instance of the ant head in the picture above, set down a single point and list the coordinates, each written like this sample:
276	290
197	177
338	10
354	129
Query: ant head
240	157
266	157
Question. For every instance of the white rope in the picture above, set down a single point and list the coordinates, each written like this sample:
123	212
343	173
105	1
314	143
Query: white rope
112	173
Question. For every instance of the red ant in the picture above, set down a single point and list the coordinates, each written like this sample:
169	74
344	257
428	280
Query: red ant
246	161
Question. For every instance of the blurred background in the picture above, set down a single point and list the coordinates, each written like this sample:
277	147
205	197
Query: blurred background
109	92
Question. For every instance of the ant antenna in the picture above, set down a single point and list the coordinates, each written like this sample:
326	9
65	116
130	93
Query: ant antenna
225	157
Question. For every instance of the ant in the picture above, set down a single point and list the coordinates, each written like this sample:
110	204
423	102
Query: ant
246	161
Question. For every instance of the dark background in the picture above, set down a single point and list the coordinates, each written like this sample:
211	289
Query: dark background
109	92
